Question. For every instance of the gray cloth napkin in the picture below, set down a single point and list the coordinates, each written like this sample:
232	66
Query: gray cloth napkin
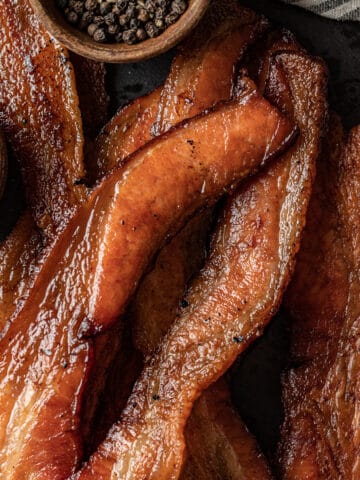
337	9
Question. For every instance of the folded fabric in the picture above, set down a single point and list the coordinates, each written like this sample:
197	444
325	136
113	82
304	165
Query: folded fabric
337	9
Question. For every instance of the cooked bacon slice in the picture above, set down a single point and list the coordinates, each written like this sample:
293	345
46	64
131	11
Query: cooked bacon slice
87	279
93	98
40	115
201	75
127	131
19	256
231	301
203	71
215	49
321	392
218	444
157	300
22	252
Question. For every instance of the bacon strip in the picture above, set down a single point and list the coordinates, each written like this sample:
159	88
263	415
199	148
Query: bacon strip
93	98
203	71
219	42
40	116
321	393
230	302
127	131
218	444
86	281
22	252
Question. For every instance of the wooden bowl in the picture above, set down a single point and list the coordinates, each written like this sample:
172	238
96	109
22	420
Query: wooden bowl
80	42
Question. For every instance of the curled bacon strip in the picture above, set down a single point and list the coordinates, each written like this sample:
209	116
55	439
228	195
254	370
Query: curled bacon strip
40	115
321	392
229	304
95	265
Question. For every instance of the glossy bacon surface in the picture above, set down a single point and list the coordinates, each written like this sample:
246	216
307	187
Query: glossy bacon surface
20	254
220	41
210	61
200	76
203	71
231	301
321	393
40	115
93	99
127	131
48	145
219	446
94	267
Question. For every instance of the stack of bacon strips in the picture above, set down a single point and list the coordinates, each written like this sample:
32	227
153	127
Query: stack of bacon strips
118	322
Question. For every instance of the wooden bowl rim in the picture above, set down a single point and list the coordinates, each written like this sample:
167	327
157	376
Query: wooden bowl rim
81	43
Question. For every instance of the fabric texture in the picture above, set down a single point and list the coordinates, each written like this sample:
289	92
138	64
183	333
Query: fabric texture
336	9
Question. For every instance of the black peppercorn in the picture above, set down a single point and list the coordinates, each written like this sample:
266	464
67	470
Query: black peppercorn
119	37
87	18
178	6
171	18
131	10
105	8
143	15
91	4
72	17
141	34
110	19
150	6
122	5
98	20
123	20
162	4
129	36
159	23
134	24
151	29
91	29
71	3
100	35
113	29
78	7
160	13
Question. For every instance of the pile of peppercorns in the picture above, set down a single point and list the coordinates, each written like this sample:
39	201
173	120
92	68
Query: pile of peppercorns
128	21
